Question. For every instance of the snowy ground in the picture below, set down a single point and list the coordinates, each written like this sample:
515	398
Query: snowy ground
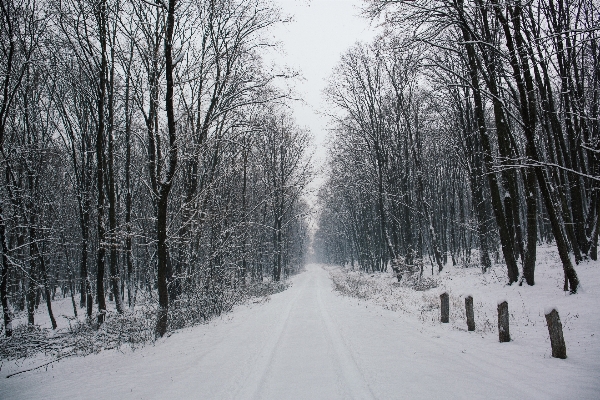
310	342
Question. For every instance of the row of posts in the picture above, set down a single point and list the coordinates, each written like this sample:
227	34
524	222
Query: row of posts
557	340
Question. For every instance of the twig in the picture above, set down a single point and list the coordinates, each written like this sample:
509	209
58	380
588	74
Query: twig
39	366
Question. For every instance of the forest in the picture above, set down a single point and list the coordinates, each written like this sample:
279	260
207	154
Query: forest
300	199
468	132
148	159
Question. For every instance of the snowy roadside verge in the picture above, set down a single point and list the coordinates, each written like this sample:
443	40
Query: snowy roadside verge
580	314
39	344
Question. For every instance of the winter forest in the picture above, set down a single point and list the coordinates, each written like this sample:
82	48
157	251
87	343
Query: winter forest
147	156
158	185
473	127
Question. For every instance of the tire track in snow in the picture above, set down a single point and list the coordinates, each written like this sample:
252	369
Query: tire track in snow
355	380
255	379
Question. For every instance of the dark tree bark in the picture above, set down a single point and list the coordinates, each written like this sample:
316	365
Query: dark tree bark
167	181
44	272
15	63
557	18
505	236
128	196
522	74
31	292
528	110
476	178
115	278
72	292
4	277
101	17
508	151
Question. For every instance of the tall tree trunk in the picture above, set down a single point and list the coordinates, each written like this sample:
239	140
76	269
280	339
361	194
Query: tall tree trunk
577	226
128	200
112	196
166	183
506	148
531	203
476	181
4	277
31	292
86	287
243	272
102	22
505	237
528	109
522	74
554	129
47	293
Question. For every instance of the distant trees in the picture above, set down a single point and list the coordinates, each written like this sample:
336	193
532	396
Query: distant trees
282	146
487	114
161	115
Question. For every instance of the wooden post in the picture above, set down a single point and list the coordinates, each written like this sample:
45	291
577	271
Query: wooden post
470	315
503	332
445	303
557	341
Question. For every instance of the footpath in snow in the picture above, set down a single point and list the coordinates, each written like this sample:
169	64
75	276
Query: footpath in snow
310	342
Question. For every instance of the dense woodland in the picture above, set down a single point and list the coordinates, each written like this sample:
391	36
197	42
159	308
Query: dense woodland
147	155
468	131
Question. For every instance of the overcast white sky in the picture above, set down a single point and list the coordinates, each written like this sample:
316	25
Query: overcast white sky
321	31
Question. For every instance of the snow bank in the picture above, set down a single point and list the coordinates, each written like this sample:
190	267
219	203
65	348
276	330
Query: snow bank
347	344
580	313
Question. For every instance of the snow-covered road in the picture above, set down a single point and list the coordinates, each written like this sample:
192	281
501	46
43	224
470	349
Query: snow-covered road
309	342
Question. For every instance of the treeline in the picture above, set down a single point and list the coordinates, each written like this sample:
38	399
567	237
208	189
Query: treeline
145	154
467	125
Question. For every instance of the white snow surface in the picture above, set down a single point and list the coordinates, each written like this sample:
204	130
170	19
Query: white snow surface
548	310
310	342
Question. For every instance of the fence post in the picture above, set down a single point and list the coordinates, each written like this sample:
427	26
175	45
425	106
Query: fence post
503	332
557	341
470	315
445	307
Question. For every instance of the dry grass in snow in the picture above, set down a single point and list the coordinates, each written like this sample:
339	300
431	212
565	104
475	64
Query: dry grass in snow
580	314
